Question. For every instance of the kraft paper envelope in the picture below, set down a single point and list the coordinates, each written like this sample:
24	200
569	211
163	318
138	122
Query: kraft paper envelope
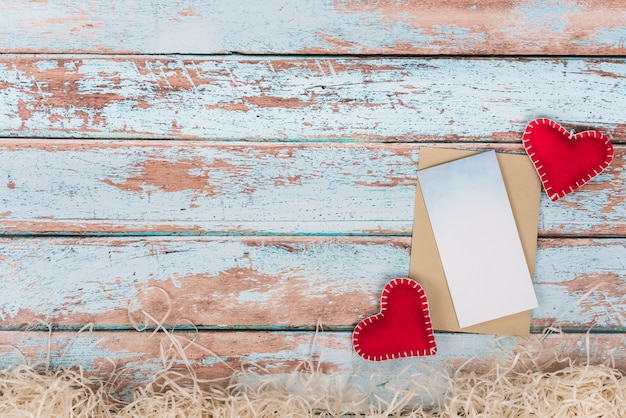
524	190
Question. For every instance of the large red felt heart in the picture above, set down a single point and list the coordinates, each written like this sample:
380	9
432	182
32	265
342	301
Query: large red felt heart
402	328
565	161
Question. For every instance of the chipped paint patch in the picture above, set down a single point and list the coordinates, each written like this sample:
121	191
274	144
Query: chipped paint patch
613	37
168	176
552	18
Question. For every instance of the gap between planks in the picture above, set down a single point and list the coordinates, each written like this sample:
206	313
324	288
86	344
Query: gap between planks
189	329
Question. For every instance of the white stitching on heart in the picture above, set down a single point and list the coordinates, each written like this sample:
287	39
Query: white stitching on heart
425	309
592	134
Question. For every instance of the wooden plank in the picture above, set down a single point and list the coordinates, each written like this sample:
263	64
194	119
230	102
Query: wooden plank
161	187
131	358
269	282
382	99
561	27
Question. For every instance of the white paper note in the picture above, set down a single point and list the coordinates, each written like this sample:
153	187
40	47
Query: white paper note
477	239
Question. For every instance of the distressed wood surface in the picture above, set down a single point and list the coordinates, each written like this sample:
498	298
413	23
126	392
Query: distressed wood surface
306	99
238	200
126	359
269	282
556	27
149	187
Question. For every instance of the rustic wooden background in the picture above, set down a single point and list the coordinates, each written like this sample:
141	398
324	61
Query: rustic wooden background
241	173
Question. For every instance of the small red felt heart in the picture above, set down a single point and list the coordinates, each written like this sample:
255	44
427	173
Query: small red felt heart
402	328
565	161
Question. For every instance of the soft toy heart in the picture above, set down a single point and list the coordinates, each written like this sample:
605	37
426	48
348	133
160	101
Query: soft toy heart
401	329
565	161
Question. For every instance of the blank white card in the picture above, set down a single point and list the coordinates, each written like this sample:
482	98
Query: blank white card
477	239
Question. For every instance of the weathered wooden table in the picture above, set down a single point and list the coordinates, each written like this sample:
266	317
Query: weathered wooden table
243	173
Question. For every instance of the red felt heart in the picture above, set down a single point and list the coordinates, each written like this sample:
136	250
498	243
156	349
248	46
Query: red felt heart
565	161
401	329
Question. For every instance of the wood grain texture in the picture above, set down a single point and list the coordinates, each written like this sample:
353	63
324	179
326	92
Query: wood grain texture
306	99
557	27
251	196
273	283
127	359
159	187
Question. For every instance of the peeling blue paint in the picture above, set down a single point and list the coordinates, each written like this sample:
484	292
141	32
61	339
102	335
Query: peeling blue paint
51	276
459	34
46	65
254	295
614	37
401	101
329	190
546	16
58	278
282	27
